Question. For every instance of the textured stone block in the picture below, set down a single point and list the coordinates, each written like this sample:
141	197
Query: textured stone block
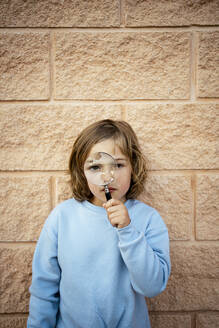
176	136
64	13
25	204
207	218
128	65
63	188
187	294
15	268
13	322
208	65
207	320
170	321
24	65
171	195
171	12
193	285
40	137
194	260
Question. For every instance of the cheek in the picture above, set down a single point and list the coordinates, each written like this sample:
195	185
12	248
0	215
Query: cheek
125	181
93	188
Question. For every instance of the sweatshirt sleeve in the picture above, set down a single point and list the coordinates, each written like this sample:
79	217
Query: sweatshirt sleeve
146	256
44	290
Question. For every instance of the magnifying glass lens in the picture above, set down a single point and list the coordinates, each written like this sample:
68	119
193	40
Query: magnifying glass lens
99	170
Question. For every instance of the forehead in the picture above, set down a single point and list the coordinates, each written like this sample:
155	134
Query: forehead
109	146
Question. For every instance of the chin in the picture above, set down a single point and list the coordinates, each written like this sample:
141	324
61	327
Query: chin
98	200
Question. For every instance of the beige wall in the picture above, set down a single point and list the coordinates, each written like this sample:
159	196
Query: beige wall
65	64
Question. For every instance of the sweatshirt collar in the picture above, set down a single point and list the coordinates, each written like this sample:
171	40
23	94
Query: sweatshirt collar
100	209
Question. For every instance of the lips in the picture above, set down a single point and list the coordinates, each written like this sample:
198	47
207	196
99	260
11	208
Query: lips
110	189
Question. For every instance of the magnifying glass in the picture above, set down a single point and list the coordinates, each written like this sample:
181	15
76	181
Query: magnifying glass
99	169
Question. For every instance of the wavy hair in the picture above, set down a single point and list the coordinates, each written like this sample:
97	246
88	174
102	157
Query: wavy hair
125	138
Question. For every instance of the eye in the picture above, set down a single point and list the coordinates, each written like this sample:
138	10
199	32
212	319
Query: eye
119	165
94	168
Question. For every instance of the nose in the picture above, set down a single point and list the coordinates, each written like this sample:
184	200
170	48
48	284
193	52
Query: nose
107	177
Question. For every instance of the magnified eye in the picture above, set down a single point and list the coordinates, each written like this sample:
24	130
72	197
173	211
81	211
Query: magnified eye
94	168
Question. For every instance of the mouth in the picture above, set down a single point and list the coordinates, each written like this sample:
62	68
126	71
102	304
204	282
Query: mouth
111	189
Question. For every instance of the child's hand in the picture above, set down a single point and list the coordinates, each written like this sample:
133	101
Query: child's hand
117	213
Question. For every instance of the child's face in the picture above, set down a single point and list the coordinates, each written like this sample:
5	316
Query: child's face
119	187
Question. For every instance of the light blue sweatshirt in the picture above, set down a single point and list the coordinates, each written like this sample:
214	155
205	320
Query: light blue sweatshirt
88	274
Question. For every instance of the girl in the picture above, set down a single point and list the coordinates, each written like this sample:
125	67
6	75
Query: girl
97	260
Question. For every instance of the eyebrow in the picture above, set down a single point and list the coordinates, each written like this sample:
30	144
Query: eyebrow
96	161
120	159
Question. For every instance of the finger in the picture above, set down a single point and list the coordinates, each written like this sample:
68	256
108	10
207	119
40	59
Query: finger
114	222
114	208
114	216
112	202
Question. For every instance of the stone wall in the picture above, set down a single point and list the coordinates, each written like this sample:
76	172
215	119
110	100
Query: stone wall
65	64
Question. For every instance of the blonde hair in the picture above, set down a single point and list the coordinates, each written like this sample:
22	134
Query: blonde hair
125	138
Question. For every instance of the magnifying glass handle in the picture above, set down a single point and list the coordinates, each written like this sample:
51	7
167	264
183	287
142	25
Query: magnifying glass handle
107	193
108	197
